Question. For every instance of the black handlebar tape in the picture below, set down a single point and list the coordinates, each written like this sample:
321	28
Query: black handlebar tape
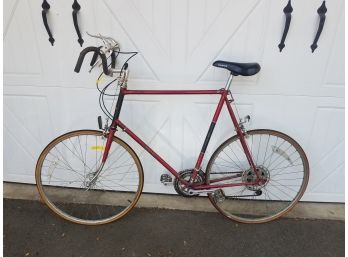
94	58
83	54
113	60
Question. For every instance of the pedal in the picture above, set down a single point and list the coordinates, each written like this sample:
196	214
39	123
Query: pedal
100	122
219	196
166	179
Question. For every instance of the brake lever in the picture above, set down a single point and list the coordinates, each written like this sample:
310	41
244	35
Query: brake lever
108	42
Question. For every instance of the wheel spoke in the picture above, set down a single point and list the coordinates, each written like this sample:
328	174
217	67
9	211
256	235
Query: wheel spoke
68	180
279	162
232	160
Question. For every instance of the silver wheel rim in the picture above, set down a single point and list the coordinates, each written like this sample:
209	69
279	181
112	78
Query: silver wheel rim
65	173
278	195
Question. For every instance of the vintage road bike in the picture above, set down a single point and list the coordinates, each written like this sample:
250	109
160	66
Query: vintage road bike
93	177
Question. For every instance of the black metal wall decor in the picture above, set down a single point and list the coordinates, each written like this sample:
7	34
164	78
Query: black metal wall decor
321	12
76	8
287	11
45	8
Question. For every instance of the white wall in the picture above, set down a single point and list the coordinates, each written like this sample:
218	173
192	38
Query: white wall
297	92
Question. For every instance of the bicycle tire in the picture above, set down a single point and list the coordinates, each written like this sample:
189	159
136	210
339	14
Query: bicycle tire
247	208
113	197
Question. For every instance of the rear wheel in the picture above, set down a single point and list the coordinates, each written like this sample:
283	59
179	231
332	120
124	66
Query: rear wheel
67	182
280	162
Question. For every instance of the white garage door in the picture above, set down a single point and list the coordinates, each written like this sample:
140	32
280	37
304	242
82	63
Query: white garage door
297	92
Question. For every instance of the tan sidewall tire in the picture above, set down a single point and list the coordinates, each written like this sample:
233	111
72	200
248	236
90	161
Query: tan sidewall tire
80	221
296	199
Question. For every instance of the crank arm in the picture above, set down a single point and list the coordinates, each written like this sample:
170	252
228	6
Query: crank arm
196	192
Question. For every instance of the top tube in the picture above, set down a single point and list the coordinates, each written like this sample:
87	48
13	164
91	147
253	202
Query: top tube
173	92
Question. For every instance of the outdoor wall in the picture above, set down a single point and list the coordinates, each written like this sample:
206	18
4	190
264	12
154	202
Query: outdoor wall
297	92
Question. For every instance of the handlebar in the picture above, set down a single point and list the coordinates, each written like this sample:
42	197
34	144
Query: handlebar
97	51
95	57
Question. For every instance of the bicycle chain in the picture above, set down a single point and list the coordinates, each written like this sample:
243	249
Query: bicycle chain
227	172
257	193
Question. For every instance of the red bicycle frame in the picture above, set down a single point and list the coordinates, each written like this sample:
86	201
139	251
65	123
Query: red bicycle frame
224	93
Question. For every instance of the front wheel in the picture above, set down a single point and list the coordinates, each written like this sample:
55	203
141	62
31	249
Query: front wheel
68	181
280	162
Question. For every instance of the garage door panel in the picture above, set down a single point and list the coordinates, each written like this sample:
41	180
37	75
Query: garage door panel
112	24
241	46
297	70
30	114
158	20
216	36
329	184
202	15
297	92
334	73
15	150
138	33
25	134
327	149
20	61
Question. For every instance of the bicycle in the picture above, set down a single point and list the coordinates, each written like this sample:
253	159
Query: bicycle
93	177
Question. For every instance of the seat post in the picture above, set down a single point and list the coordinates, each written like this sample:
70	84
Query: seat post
229	81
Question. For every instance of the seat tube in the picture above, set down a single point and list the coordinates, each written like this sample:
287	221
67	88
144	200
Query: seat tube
208	136
238	129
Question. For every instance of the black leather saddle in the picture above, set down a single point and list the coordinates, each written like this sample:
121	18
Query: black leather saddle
243	69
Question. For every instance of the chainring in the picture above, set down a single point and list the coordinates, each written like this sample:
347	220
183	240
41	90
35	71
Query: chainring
186	174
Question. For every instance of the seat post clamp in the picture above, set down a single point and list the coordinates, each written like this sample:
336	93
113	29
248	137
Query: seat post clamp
230	94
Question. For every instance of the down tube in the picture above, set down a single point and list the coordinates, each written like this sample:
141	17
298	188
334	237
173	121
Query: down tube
150	151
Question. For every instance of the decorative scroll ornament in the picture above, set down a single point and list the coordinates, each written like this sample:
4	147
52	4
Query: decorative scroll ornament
321	12
287	11
76	8
45	8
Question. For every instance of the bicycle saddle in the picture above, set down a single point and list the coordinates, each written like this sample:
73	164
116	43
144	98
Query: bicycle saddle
243	69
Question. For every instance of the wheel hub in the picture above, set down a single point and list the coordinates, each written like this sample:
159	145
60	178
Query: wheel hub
249	176
89	181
